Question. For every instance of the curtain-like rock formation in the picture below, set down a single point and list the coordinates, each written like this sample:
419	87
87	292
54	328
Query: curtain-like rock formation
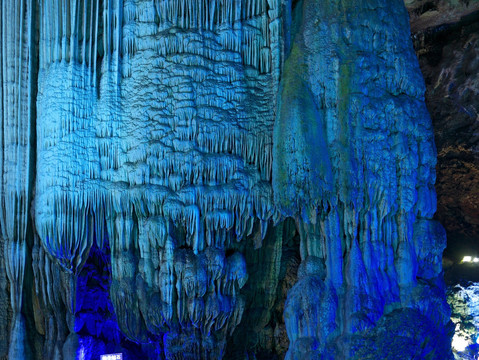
17	55
210	175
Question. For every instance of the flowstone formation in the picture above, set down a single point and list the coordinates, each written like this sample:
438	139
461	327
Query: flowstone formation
207	179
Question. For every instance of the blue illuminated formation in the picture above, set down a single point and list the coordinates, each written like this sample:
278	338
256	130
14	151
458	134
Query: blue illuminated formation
207	179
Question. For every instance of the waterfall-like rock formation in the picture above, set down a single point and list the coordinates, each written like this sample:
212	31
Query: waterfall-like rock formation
195	179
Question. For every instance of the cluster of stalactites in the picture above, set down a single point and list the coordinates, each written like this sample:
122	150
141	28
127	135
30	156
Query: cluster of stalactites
15	140
15	117
173	285
79	31
249	28
16	155
209	14
83	31
209	176
169	166
216	217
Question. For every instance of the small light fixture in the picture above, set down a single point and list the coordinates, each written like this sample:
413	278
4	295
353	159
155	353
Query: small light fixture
467	259
112	357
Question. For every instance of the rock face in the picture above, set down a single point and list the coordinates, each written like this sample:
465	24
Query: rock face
446	39
211	175
464	302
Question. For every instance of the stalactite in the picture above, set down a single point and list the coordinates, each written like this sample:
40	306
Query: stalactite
16	122
70	31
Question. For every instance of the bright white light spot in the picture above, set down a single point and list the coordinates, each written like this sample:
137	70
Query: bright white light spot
476	260
111	357
467	259
459	343
81	355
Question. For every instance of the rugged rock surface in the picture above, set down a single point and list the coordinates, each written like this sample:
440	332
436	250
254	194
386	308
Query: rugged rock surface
446	39
464	302
210	175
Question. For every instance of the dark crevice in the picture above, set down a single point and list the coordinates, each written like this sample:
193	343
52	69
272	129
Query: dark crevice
428	6
262	331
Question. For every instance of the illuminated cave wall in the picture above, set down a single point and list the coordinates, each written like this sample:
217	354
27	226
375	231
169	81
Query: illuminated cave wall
206	179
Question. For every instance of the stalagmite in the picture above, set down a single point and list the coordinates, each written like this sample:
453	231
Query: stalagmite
371	202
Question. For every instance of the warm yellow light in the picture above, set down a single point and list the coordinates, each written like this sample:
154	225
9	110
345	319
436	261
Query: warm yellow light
467	259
